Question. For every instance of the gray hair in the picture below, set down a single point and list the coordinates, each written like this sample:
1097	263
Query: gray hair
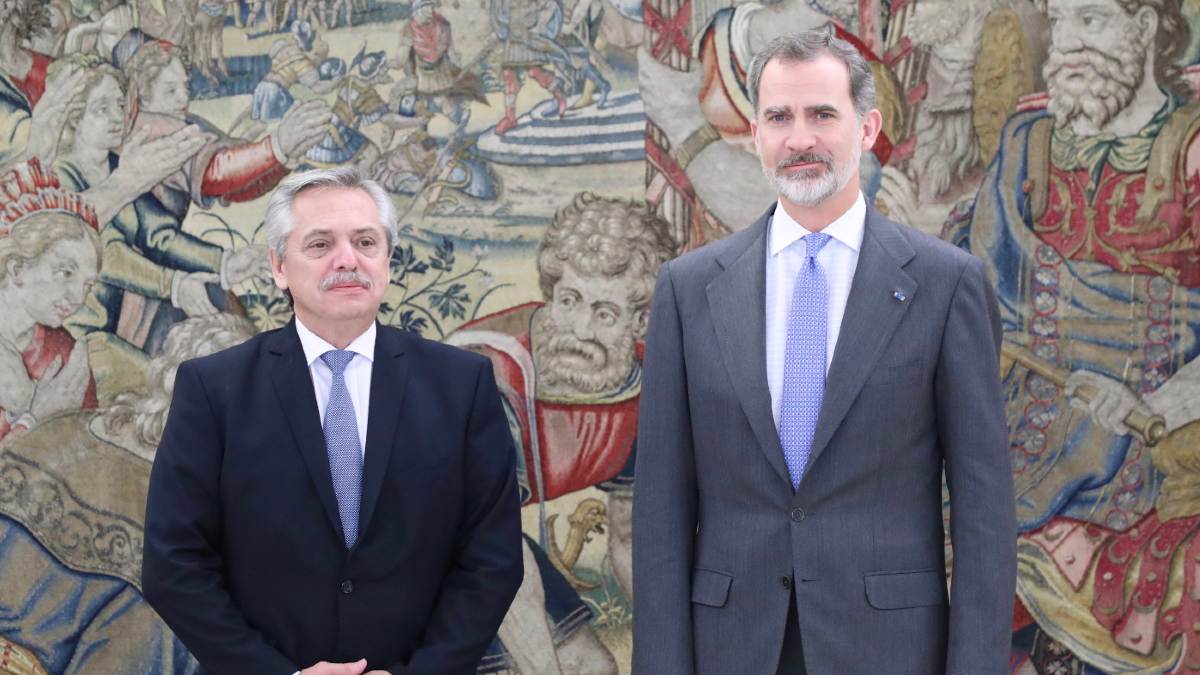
807	46
278	223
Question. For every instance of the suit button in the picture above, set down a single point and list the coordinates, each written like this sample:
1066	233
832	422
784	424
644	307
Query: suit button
786	582
797	514
347	587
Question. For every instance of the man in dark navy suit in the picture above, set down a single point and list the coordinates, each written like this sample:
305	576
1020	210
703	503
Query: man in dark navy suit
335	496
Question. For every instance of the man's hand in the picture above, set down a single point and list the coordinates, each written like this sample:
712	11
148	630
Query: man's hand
1108	401
302	127
50	115
246	263
192	294
326	668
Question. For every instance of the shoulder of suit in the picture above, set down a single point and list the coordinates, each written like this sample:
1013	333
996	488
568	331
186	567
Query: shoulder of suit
930	249
700	259
436	354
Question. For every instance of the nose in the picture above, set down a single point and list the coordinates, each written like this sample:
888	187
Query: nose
582	326
800	137
1065	37
344	257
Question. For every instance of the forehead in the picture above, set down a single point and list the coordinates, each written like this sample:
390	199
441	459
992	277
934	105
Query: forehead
821	80
74	249
1054	7
106	87
335	208
598	286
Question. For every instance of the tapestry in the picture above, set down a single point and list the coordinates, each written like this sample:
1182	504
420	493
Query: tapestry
546	157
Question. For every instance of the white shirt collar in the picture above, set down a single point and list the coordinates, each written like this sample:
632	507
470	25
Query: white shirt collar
314	346
847	228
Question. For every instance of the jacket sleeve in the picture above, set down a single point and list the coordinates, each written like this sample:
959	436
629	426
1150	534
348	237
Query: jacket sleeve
487	570
974	440
664	500
182	569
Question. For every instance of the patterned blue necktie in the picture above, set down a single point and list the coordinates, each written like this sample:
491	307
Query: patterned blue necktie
342	444
804	361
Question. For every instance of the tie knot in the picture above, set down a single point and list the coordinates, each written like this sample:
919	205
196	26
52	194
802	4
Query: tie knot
815	242
337	360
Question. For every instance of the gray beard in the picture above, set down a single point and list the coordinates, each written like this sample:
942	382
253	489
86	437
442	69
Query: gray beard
809	192
569	366
1108	84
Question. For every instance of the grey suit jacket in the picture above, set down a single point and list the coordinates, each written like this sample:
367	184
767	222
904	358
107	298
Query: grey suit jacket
721	541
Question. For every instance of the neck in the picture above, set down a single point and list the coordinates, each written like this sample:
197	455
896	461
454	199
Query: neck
337	333
91	160
817	218
14	61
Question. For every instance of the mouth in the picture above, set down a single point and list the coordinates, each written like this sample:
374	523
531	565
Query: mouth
804	166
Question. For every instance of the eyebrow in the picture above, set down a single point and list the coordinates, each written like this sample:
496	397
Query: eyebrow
787	109
354	233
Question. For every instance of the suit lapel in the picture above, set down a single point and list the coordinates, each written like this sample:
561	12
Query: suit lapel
294	387
737	300
389	379
872	313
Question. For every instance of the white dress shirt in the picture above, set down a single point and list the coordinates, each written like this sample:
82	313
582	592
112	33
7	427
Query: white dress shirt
785	258
357	374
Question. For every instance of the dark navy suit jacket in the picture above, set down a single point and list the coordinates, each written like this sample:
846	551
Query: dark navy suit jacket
244	555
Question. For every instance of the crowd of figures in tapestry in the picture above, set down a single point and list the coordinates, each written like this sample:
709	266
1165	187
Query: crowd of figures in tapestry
546	158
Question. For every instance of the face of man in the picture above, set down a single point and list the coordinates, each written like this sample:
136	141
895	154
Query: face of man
336	261
583	339
808	137
424	14
52	286
168	93
1097	58
103	118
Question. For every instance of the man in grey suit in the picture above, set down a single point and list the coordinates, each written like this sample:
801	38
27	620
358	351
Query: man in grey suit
806	382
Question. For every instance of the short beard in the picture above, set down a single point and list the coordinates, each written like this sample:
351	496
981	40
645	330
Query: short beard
811	188
1106	86
567	365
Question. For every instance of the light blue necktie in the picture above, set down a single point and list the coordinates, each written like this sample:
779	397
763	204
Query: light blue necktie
804	361
342	444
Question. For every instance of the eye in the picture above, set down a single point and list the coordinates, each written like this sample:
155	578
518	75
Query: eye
318	245
567	301
366	242
606	316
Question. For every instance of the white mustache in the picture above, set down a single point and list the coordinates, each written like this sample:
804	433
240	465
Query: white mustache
346	278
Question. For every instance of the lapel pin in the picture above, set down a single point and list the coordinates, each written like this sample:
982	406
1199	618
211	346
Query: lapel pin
899	295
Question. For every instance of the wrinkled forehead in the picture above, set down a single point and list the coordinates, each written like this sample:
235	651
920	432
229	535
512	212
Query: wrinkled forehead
1056	8
336	209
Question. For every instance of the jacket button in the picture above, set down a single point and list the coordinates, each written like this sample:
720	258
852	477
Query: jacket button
797	514
786	581
347	587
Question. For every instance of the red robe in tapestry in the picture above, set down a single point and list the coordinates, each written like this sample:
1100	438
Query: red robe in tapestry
47	345
581	443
